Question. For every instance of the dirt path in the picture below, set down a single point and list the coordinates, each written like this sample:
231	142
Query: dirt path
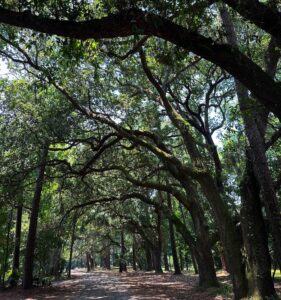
115	286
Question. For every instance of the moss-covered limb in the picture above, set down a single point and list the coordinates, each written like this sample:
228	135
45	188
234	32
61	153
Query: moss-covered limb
179	122
159	149
184	127
124	23
179	195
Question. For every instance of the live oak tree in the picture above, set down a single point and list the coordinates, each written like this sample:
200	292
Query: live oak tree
134	116
186	136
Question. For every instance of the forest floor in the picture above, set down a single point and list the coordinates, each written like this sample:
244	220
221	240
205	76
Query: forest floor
107	285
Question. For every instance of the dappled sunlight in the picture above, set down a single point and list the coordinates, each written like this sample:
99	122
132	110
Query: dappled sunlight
114	286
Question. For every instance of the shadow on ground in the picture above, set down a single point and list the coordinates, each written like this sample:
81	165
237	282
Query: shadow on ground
115	286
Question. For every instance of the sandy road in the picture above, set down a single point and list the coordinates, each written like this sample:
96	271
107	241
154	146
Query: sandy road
115	286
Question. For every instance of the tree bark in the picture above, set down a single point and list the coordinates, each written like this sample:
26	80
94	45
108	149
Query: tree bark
31	238
255	237
260	281
262	173
204	259
230	236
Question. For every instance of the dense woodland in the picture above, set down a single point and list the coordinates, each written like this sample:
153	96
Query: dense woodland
141	134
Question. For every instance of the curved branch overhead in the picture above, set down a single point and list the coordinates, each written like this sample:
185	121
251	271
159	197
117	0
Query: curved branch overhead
132	22
264	16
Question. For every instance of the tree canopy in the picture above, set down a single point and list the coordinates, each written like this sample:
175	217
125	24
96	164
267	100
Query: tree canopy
133	132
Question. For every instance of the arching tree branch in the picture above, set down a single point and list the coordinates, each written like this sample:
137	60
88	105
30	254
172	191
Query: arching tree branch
133	21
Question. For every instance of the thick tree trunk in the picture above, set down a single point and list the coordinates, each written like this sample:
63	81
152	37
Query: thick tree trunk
230	236
31	238
262	173
201	246
16	258
201	249
254	128
255	238
205	279
260	283
257	153
173	241
157	260
206	268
